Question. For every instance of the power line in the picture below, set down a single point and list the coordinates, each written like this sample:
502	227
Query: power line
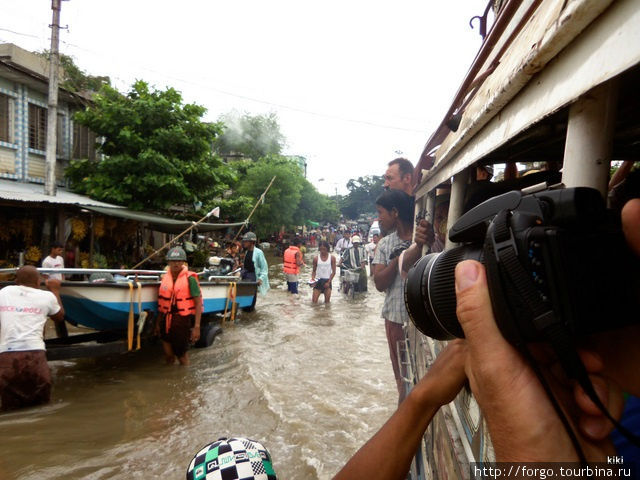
245	97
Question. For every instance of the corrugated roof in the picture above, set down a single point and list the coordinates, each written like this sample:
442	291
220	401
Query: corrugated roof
32	192
161	224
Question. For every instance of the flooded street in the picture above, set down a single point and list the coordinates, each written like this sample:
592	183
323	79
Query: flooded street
311	382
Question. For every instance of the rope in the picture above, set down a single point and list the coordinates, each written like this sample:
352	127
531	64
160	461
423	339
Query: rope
130	325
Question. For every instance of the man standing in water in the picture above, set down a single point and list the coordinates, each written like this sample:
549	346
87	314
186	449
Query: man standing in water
180	302
292	263
255	267
25	378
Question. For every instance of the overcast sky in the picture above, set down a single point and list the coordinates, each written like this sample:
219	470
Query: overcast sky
354	83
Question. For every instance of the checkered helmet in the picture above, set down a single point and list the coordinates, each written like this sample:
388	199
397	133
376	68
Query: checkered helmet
232	459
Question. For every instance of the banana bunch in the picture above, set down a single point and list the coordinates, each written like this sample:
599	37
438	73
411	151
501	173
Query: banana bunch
33	254
99	227
78	229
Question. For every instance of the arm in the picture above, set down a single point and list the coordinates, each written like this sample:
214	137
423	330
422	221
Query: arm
195	331
262	268
54	286
315	265
407	425
299	259
383	275
621	173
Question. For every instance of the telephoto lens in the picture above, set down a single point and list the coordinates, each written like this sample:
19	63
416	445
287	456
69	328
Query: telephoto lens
430	293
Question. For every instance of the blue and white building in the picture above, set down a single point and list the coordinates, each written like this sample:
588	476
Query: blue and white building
23	119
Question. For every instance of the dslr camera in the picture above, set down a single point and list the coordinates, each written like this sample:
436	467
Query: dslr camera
556	260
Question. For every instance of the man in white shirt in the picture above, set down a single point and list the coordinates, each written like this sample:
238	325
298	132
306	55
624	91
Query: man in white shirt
25	378
370	248
343	243
54	260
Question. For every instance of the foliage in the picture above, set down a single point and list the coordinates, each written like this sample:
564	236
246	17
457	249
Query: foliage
315	206
75	79
250	136
362	196
282	199
158	151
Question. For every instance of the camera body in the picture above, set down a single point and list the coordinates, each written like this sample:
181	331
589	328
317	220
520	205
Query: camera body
554	259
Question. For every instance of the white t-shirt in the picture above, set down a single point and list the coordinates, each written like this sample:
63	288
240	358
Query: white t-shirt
51	262
23	313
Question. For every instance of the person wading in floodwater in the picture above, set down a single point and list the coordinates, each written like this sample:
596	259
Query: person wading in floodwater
324	269
180	303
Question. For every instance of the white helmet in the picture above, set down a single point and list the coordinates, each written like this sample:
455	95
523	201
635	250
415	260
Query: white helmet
356	239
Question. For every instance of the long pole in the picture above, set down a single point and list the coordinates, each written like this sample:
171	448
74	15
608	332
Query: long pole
52	113
261	199
195	224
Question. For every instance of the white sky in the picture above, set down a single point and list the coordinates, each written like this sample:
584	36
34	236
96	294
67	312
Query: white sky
353	82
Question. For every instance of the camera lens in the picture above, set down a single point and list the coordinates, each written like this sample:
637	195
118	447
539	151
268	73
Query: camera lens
430	293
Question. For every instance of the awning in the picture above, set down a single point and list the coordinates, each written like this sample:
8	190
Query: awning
157	222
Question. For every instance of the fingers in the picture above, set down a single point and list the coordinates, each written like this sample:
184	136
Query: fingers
474	310
631	224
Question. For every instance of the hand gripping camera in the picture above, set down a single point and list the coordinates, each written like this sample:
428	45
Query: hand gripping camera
558	268
555	260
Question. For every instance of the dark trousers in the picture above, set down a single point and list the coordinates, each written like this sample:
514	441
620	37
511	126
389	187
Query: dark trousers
25	379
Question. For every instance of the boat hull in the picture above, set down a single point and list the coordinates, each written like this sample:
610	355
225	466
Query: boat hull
106	306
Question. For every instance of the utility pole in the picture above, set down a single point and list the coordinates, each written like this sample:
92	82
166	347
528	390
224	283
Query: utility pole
52	113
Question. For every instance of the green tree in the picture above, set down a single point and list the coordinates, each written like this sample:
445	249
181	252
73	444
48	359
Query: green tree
249	136
75	79
281	202
362	195
158	151
315	206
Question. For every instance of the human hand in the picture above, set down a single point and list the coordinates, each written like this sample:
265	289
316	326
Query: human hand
424	234
446	376
53	284
195	334
522	421
259	282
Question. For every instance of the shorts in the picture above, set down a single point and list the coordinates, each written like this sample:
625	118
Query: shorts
322	283
179	335
25	379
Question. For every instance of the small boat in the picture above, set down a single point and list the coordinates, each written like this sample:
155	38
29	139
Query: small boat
107	304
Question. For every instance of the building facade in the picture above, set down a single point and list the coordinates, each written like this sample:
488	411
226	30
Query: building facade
23	119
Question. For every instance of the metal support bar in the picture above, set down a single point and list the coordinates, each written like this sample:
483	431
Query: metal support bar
587	153
456	204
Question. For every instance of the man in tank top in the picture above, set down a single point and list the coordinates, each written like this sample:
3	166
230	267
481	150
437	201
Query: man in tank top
324	269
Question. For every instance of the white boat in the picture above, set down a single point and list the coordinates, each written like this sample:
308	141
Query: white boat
107	305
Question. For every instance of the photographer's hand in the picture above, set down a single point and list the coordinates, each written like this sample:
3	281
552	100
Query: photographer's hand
522	422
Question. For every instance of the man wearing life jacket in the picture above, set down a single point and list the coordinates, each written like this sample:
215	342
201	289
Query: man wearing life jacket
180	304
292	262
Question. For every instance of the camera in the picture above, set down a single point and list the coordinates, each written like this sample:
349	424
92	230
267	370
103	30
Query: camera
555	259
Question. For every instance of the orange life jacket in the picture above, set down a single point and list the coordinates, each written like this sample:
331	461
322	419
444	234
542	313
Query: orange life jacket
177	293
290	260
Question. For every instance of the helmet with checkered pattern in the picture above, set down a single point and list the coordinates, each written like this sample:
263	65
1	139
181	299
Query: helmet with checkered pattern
232	458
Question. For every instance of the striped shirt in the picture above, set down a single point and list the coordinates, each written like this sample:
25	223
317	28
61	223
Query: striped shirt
393	308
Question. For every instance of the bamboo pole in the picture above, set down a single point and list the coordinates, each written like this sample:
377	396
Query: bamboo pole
195	224
261	199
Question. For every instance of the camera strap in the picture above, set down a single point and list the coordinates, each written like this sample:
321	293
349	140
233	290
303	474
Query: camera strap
545	320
